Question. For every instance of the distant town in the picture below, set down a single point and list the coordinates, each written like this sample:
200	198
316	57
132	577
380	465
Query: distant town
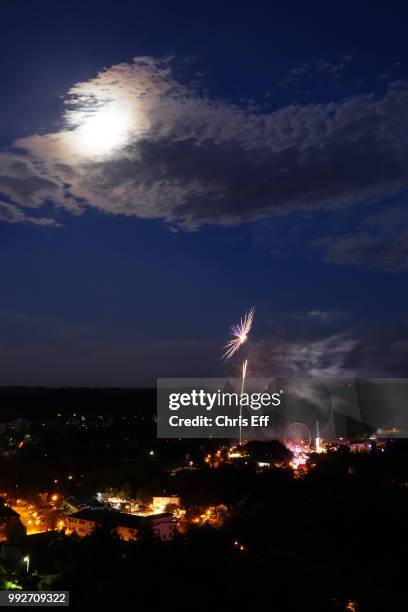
83	493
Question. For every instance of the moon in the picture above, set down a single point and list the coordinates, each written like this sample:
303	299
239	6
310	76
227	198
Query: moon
102	131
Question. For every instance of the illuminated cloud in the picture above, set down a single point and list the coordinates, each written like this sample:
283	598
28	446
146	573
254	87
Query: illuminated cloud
12	214
23	182
137	141
325	357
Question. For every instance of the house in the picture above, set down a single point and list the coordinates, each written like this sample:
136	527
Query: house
7	517
160	503
126	526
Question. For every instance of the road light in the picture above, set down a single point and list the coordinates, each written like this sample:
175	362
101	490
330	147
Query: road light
27	561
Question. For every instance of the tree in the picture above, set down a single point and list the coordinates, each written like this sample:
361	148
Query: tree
126	490
272	451
15	531
144	494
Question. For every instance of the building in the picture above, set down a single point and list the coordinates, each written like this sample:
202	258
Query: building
126	526
162	525
160	503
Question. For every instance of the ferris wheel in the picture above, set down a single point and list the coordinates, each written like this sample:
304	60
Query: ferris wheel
297	434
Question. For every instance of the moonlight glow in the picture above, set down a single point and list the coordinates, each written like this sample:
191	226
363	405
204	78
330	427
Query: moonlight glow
102	131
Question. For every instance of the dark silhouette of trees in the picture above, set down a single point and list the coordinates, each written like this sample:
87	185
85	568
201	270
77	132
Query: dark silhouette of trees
273	452
15	531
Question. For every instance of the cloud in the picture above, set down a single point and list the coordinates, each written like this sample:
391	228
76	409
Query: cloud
317	346
325	357
380	241
113	365
317	69
364	250
359	352
12	214
23	183
137	141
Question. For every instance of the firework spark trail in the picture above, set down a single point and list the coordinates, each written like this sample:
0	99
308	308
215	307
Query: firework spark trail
240	333
244	370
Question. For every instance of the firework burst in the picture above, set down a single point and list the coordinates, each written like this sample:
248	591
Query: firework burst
239	333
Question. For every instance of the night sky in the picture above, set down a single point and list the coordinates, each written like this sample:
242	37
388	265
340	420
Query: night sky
165	166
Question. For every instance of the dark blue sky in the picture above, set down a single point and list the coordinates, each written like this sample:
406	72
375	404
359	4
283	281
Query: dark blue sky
271	171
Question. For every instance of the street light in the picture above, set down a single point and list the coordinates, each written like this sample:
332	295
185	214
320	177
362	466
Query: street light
27	561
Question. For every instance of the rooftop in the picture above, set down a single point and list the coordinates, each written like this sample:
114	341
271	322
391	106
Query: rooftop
115	519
